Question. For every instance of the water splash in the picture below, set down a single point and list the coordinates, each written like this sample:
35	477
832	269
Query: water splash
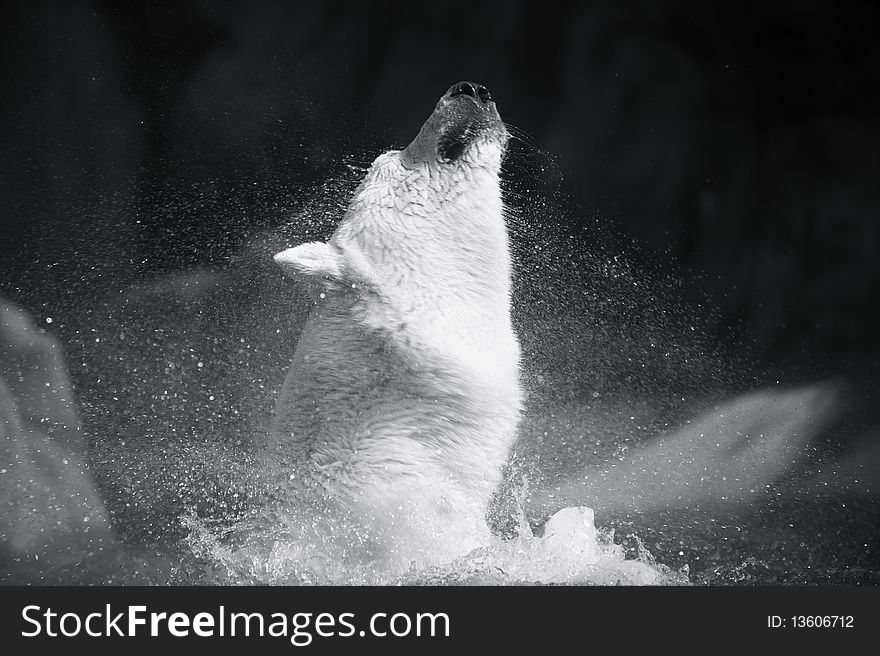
571	550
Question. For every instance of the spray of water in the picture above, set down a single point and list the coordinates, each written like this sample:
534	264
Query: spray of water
176	375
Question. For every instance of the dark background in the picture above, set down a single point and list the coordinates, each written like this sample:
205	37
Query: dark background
727	156
736	144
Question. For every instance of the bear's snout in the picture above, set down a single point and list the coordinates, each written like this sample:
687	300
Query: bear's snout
465	113
477	92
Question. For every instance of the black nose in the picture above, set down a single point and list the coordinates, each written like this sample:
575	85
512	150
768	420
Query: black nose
476	91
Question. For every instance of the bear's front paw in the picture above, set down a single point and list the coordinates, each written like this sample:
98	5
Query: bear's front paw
312	259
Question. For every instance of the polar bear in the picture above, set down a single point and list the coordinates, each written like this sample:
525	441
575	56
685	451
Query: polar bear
403	397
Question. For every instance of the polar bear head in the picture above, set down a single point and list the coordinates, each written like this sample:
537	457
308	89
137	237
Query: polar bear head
464	130
430	215
449	171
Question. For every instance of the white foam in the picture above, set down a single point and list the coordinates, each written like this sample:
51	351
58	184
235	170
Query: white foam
571	551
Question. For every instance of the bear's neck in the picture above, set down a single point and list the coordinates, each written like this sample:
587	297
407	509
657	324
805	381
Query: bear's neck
438	247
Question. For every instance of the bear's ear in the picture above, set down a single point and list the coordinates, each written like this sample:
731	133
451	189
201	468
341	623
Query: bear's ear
312	259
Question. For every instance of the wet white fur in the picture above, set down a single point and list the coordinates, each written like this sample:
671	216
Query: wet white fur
403	397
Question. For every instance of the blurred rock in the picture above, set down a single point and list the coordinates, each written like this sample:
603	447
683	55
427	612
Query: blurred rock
50	513
737	452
